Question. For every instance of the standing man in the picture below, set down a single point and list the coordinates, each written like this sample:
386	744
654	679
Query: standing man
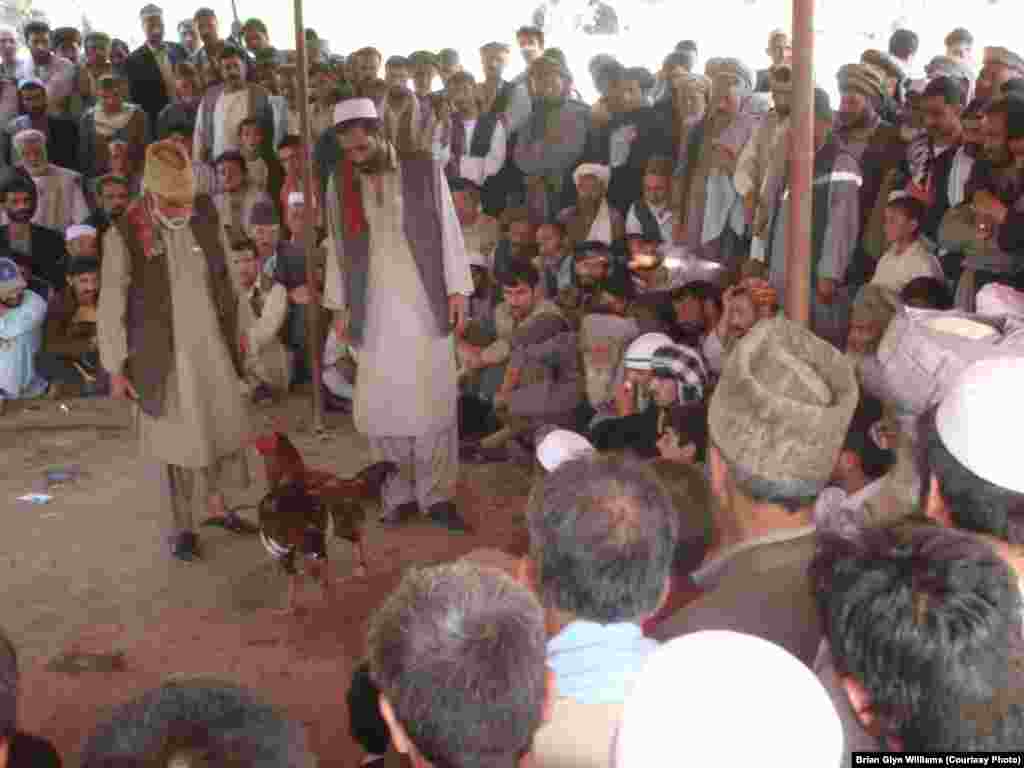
56	74
398	279
150	69
168	335
225	106
187	36
780	50
8	53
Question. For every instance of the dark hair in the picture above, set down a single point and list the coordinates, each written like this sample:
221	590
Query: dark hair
365	723
17	180
874	460
910	207
459	652
204	13
222	723
687	45
1013	87
231	156
518	272
684	59
927	621
952	92
36	28
8	687
397	61
256	24
691	498
528	31
251	120
959	36
974	504
63	35
790	493
602	536
903	43
690	422
186	24
927	293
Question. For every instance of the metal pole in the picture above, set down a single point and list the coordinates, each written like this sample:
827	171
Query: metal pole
313	342
801	165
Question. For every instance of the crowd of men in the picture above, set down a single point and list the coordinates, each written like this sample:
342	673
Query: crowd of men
723	498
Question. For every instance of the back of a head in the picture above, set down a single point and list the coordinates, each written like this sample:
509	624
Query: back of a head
927	621
978	478
903	44
602	537
198	724
458	652
724	688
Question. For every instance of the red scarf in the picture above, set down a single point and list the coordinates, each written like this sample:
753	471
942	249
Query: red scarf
353	214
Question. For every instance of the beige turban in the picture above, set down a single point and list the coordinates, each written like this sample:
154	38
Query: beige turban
863	78
784	403
169	172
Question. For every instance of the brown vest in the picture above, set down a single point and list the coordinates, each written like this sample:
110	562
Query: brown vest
150	319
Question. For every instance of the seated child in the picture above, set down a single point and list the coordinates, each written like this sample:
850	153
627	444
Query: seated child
907	255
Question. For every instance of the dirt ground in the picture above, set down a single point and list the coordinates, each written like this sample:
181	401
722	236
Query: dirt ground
100	612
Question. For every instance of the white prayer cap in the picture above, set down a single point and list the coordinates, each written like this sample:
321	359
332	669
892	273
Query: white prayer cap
76	231
561	445
29	134
296	198
977	414
603	172
721	684
999	299
640	354
354	109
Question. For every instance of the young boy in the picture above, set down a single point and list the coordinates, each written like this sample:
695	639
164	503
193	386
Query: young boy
907	256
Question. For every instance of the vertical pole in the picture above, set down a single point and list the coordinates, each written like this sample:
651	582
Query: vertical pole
313	343
801	154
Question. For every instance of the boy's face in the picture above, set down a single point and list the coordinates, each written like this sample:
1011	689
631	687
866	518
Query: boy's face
898	227
252	138
863	337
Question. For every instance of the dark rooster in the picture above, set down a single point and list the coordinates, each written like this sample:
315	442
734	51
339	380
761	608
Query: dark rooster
294	513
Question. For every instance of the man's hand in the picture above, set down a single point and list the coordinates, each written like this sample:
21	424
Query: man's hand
989	206
826	290
121	388
457	312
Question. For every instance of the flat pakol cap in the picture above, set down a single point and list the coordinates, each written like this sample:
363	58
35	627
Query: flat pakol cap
169	172
783	404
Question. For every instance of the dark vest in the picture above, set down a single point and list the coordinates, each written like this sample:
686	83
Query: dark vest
422	228
482	134
149	318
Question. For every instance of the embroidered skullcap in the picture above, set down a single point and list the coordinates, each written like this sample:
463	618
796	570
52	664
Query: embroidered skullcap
972	419
11	280
999	299
603	172
561	445
640	354
685	365
783	404
715	669
354	109
76	231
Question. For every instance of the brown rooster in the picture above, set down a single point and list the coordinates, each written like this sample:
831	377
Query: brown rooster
294	513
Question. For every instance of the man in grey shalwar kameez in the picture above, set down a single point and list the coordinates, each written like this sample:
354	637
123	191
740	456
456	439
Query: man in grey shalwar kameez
398	280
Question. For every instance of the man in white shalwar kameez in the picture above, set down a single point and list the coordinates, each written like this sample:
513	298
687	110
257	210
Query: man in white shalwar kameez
167	333
398	280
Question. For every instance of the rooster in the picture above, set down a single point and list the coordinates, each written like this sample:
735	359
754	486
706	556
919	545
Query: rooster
294	513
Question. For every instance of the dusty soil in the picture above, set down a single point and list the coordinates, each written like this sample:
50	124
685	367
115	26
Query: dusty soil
89	573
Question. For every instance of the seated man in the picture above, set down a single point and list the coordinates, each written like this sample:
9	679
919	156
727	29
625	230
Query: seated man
486	638
924	627
655	206
522	319
596	525
173	724
554	259
262	307
18	748
590	266
592	218
112	116
113	194
777	421
22	314
61	197
479	232
69	359
518	238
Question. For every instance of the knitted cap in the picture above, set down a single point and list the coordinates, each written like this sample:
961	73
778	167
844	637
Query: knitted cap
783	404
